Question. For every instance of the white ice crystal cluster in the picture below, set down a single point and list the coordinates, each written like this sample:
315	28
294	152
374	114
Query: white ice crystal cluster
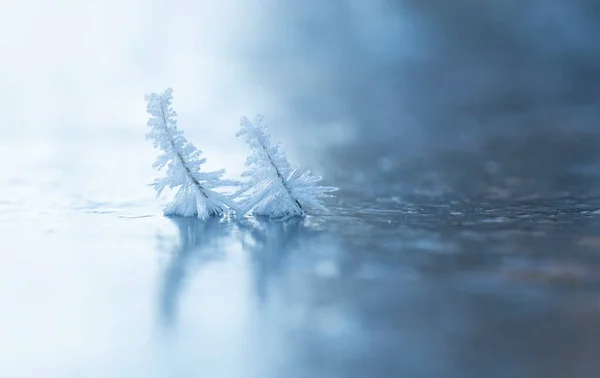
273	188
195	195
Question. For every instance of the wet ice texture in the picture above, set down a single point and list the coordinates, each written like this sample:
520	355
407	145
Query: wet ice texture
97	283
194	196
275	189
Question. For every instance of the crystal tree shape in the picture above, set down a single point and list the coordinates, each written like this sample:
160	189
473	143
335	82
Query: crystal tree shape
274	188
183	160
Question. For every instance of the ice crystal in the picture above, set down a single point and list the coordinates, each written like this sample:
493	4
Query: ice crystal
275	188
195	195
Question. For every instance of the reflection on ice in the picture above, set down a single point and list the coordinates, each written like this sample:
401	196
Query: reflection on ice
222	288
269	244
257	297
198	245
266	243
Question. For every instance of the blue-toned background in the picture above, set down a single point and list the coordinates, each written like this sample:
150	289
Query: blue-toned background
463	243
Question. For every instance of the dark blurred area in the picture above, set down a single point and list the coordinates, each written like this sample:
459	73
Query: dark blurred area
493	99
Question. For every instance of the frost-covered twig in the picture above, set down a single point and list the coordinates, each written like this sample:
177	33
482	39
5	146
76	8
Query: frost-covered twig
274	188
195	196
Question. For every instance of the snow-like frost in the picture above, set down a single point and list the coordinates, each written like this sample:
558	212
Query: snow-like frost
275	188
183	160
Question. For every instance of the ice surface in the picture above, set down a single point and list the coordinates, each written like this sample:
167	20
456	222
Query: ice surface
96	282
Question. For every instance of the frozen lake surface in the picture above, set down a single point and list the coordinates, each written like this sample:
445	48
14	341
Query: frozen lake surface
95	282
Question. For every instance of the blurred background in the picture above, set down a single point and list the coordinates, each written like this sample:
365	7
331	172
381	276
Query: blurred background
463	243
496	99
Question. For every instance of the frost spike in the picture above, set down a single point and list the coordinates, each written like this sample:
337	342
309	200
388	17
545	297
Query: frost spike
280	177
180	158
274	189
194	196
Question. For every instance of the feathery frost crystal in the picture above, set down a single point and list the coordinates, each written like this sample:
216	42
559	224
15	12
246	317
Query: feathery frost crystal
194	196
274	188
